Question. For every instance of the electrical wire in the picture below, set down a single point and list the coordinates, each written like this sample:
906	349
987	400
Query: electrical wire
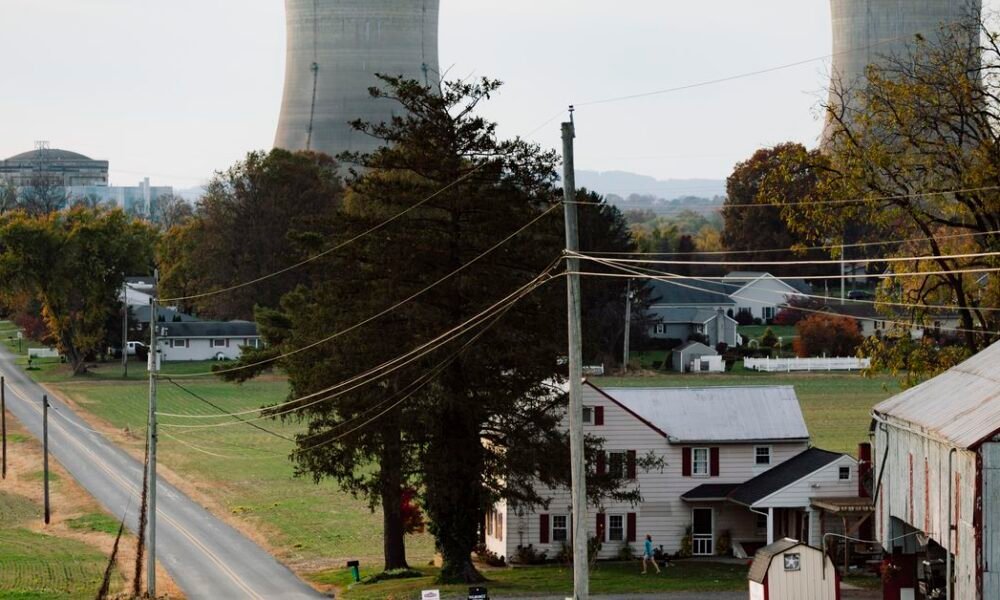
393	364
911	195
771	263
382	313
339	246
672	279
796	249
222	410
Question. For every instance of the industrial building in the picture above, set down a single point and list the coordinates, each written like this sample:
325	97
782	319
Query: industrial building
335	49
79	178
868	32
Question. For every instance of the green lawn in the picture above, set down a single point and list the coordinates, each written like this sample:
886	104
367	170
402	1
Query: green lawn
606	578
837	407
244	470
755	332
37	566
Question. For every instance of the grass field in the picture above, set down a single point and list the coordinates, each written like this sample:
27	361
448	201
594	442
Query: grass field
755	332
606	578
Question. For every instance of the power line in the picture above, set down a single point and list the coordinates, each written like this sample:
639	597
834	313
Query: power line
797	249
738	286
393	364
671	277
222	410
381	313
770	263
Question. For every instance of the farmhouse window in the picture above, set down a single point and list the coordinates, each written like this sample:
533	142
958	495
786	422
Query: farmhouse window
762	455
616	464
616	528
218	343
588	415
845	473
560	528
699	462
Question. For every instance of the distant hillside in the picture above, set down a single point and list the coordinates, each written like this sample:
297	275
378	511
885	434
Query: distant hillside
624	184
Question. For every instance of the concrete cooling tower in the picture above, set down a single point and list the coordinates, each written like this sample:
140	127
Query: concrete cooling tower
335	48
866	32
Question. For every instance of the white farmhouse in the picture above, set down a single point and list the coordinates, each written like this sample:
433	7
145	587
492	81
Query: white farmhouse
738	467
206	340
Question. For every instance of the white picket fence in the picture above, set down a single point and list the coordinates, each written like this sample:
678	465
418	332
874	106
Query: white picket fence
787	365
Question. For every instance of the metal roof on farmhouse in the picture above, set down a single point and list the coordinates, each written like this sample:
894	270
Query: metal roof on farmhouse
781	476
960	407
690	292
215	329
717	414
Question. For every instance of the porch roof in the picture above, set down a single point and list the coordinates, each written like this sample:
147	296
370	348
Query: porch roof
781	476
710	491
844	506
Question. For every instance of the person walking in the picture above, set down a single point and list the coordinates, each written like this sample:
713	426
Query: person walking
647	554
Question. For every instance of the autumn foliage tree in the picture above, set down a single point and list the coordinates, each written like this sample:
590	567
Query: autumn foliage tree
826	335
74	263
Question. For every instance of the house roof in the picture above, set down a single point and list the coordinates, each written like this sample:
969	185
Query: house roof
710	491
742	278
682	314
693	344
762	559
717	414
780	476
167	314
960	407
690	292
208	329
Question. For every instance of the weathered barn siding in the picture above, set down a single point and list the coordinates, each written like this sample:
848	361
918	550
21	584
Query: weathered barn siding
914	489
662	513
991	519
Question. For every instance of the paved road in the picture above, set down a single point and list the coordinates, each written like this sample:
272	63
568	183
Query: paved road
206	558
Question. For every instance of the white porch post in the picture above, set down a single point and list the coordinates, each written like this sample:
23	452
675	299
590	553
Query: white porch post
770	525
811	531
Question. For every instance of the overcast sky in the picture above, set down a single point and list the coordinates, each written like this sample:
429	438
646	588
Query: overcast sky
178	89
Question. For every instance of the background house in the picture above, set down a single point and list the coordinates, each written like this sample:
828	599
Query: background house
760	294
681	323
707	437
206	340
937	453
872	322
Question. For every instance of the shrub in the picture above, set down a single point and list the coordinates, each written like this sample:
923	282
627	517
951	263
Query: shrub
625	552
768	340
489	557
744	317
831	335
724	545
528	555
393	574
686	549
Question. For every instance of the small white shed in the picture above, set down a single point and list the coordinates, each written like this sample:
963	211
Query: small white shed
792	570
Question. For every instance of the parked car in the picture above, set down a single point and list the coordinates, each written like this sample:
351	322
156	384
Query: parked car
137	348
860	295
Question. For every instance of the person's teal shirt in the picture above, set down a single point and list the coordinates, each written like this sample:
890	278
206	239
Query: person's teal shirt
649	547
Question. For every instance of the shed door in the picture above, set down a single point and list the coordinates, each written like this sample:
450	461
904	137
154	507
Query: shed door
702	532
991	520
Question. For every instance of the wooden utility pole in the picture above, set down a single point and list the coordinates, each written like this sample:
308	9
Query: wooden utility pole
125	329
628	324
45	454
3	425
154	365
581	581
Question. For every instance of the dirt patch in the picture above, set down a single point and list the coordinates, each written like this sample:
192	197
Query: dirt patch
68	501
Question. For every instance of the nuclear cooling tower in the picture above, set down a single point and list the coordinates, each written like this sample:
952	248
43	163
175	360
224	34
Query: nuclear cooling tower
335	48
867	32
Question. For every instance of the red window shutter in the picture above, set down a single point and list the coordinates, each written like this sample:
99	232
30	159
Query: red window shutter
630	464
686	462
601	468
600	527
715	462
630	526
543	527
598	415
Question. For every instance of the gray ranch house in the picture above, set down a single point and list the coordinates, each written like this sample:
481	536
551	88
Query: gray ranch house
206	340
